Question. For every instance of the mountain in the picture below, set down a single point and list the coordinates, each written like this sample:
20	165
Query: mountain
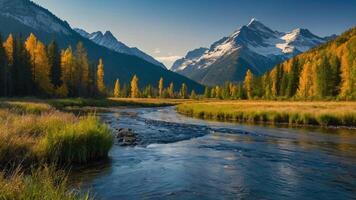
109	41
326	71
253	46
22	17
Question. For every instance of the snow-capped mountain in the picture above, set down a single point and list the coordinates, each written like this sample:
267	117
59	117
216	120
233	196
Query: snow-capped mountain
31	15
108	40
253	46
22	17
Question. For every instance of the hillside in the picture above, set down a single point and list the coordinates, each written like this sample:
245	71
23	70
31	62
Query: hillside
22	17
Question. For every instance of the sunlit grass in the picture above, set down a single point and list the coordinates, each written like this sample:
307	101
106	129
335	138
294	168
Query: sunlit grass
293	113
41	183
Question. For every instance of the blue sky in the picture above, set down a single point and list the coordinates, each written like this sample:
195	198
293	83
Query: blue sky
167	29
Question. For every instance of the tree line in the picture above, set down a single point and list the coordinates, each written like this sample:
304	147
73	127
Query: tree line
326	72
28	67
151	91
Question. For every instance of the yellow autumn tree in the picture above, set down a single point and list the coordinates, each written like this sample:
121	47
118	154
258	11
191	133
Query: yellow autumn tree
100	77
171	90
117	88
305	82
31	45
346	83
160	87
135	92
42	72
9	49
67	65
248	84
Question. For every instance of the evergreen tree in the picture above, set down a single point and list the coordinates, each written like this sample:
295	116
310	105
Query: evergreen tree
9	46
117	88
100	78
293	78
160	87
171	90
2	68
248	84
82	71
183	91
54	59
193	95
206	93
135	92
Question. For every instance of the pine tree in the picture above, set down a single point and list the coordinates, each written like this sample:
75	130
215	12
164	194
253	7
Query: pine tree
54	59
184	91
171	90
160	87
248	84
206	93
100	78
193	95
82	71
9	51
117	88
293	78
135	92
2	68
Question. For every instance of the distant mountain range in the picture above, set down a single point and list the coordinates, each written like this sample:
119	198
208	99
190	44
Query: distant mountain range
109	41
22	17
253	46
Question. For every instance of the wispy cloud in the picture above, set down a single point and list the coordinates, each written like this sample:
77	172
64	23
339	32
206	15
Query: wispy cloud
168	58
156	51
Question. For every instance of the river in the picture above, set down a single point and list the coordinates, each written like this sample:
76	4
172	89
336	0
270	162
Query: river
184	158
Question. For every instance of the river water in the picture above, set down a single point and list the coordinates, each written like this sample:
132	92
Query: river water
184	158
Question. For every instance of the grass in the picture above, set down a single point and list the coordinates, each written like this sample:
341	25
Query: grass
34	134
42	183
293	113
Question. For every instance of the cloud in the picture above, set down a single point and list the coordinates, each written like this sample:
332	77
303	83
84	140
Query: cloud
168	58
156	51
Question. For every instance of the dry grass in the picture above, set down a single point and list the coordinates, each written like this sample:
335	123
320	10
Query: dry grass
293	113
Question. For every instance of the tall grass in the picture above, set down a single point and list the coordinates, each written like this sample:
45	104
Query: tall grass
292	113
41	183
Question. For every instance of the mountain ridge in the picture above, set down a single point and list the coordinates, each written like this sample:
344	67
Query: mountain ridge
108	40
254	46
117	65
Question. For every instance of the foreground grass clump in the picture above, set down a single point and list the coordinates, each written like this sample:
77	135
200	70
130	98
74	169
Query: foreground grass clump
42	183
81	142
47	135
292	113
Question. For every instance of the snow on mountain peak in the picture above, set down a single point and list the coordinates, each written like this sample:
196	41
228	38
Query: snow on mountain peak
256	38
34	16
109	41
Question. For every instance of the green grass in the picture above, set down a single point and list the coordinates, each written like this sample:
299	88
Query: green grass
34	134
293	113
41	183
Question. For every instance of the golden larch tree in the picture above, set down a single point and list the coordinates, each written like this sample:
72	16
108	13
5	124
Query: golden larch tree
100	77
248	84
135	92
171	90
117	88
42	72
160	87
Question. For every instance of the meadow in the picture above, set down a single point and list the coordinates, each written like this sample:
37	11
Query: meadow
35	135
287	112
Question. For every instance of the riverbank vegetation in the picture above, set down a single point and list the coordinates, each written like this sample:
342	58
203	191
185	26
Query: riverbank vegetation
286	112
36	134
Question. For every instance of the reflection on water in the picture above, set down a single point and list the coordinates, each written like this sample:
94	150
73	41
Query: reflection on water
183	158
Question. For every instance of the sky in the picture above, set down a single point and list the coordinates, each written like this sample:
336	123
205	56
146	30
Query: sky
168	29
